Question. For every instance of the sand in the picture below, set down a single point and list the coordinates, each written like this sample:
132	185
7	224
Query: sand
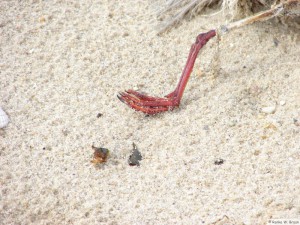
63	62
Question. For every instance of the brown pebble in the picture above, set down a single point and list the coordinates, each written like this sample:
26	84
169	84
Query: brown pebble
100	155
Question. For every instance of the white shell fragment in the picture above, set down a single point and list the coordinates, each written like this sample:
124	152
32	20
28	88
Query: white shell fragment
282	103
4	120
269	110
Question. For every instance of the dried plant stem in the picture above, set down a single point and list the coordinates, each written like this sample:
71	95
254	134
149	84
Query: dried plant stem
185	6
284	8
288	8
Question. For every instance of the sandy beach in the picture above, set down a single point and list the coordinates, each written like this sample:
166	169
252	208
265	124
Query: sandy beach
221	158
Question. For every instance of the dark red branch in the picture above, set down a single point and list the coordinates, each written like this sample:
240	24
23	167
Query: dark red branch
153	105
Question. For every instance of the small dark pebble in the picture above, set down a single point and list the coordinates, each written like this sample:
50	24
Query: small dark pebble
135	157
125	34
110	15
206	127
219	161
99	115
276	42
296	122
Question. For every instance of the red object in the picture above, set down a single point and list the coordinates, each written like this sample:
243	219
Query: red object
153	105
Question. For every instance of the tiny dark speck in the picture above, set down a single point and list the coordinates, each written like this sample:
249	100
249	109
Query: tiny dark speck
276	42
99	115
206	127
219	161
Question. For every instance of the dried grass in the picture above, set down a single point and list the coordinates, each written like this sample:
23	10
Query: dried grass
176	10
288	8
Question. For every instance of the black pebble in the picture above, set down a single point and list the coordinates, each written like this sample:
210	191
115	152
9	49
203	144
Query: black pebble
219	161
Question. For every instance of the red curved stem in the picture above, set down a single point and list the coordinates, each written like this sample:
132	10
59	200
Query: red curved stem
154	105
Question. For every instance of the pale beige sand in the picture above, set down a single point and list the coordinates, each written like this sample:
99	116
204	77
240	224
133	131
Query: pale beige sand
63	63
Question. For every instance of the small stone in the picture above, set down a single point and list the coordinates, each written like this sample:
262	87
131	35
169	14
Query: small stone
270	126
4	120
135	157
42	19
125	34
269	109
282	103
206	127
100	155
219	161
276	41
296	122
232	123
256	152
